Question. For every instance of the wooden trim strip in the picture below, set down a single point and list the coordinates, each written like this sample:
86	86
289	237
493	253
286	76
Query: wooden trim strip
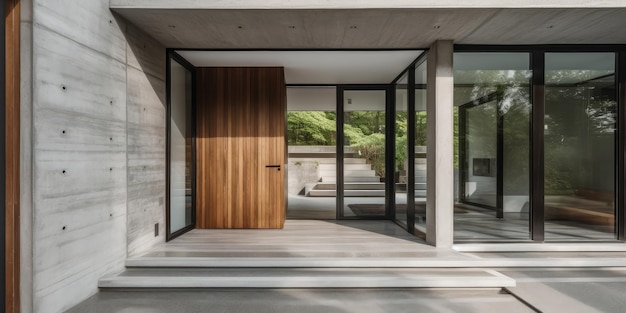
12	107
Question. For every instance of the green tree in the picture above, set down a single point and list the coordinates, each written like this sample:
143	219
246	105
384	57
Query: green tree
310	128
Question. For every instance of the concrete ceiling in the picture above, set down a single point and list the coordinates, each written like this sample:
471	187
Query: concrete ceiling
315	67
361	4
372	28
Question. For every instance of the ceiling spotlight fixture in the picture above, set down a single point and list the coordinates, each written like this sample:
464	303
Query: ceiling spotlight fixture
240	27
349	101
352	26
171	26
436	26
551	26
292	27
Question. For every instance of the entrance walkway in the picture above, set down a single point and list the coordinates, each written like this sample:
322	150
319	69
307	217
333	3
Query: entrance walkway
324	266
304	239
305	254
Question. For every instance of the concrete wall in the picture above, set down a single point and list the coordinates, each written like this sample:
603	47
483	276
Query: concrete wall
440	150
146	112
94	128
26	156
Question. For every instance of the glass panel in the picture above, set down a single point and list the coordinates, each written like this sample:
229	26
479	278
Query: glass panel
181	133
312	163
580	122
402	160
364	158
480	124
492	145
420	147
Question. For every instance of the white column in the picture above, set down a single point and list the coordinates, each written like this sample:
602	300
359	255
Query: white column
440	149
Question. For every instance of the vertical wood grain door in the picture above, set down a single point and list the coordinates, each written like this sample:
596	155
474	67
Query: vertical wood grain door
240	144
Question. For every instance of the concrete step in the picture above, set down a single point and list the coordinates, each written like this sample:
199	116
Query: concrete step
308	187
331	259
418	175
320	155
420	167
351	179
347	173
347	193
357	193
347	167
328	160
351	186
418	186
305	278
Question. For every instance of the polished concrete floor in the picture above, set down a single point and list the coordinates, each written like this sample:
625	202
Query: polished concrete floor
304	239
303	301
571	290
482	225
471	224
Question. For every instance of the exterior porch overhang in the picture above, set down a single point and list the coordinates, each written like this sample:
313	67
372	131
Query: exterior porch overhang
372	24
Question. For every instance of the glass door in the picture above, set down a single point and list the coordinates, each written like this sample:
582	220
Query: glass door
180	154
312	148
479	153
579	138
493	130
401	155
363	177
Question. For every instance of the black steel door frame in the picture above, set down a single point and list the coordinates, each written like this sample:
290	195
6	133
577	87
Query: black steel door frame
171	55
464	165
537	98
389	148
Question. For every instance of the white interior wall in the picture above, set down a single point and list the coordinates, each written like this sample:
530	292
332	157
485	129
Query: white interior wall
311	99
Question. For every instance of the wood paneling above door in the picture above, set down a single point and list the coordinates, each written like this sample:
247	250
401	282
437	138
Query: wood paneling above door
240	130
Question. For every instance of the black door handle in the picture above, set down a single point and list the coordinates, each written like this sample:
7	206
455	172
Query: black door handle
274	166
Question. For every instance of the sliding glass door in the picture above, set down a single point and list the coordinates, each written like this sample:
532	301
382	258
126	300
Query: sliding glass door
539	144
410	148
579	133
492	99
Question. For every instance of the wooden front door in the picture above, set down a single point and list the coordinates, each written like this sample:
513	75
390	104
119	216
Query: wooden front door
240	147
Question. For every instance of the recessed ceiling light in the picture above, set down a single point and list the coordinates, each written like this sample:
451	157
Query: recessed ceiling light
171	26
240	27
436	26
353	27
292	27
551	26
